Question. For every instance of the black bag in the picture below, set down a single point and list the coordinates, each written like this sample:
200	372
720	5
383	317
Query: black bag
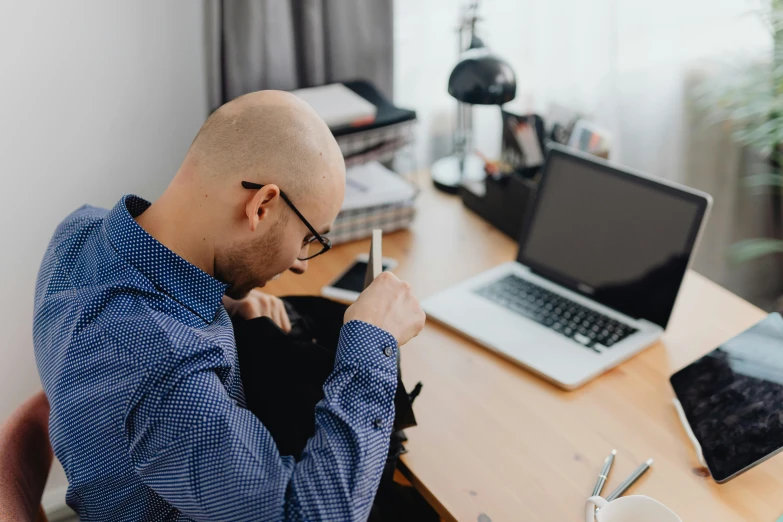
283	376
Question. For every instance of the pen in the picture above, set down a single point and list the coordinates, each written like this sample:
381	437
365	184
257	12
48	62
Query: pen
604	473
622	488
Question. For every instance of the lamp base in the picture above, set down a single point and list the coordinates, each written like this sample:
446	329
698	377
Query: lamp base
446	174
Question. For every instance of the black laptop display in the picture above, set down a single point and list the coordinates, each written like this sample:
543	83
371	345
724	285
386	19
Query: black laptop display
618	238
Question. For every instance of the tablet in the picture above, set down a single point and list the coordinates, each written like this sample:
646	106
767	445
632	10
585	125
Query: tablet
732	399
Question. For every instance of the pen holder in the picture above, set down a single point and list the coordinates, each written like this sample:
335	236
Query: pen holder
502	201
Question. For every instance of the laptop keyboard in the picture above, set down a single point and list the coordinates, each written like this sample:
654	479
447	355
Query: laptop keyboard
584	325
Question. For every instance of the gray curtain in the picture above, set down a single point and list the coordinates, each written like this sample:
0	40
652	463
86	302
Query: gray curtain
286	44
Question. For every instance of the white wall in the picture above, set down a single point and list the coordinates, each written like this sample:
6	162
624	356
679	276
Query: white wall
97	99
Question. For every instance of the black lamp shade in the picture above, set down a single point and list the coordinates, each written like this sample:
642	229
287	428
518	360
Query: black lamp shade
481	78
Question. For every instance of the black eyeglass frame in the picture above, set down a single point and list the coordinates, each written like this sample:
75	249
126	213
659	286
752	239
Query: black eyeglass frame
326	244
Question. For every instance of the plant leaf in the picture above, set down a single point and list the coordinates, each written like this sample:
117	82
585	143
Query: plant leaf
767	179
753	248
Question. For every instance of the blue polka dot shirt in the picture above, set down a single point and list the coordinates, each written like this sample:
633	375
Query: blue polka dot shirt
137	357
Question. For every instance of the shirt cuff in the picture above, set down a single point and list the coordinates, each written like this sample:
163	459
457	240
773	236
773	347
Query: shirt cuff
364	345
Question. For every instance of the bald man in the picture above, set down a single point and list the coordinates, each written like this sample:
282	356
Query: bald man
136	352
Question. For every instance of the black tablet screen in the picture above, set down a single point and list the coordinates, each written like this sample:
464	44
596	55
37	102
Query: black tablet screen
733	398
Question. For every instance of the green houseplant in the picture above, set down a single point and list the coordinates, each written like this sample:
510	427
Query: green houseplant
749	97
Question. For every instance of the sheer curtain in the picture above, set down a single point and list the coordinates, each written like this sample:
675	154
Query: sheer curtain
623	62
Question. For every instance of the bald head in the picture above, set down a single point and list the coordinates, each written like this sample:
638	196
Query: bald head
246	237
267	137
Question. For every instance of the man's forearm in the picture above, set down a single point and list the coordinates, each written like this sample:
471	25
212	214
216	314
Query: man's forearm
353	425
227	466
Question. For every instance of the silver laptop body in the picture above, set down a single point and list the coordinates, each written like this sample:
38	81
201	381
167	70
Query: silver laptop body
607	243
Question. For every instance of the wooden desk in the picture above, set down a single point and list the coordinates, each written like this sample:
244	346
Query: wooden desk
493	439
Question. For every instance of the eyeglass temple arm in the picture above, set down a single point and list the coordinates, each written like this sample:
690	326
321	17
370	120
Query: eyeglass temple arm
256	186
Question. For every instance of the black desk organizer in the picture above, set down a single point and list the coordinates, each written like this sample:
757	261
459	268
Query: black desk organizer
505	202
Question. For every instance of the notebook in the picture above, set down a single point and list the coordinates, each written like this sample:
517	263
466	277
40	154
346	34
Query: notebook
338	105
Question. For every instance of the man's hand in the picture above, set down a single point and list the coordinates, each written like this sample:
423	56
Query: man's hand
389	304
259	304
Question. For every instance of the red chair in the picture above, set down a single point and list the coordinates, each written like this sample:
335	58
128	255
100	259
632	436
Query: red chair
25	459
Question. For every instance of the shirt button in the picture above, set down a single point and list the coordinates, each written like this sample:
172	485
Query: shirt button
388	351
378	423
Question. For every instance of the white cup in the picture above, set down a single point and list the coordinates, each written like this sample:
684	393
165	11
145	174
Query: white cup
633	508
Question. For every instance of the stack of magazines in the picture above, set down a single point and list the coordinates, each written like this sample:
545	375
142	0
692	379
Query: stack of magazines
375	197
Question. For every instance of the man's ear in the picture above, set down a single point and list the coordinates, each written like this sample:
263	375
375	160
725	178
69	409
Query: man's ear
258	205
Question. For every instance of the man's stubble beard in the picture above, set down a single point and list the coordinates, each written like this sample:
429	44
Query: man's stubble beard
244	265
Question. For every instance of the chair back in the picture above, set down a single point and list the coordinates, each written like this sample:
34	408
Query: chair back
25	459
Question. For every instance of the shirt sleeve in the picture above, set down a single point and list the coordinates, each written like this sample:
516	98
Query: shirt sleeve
214	460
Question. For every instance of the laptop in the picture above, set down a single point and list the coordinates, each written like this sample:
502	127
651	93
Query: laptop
600	263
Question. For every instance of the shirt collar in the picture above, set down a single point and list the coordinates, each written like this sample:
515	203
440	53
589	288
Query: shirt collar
185	283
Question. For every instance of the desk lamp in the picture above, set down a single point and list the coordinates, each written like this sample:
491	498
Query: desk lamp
479	78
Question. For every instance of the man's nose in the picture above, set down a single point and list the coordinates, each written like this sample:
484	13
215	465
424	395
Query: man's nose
299	267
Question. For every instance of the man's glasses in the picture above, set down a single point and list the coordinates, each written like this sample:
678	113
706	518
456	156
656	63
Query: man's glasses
324	241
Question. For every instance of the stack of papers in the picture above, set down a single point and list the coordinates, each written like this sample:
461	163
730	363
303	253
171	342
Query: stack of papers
375	197
372	184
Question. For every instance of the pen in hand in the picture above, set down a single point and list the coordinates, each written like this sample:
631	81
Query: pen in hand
604	473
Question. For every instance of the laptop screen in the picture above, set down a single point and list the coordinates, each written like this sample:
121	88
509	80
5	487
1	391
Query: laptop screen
621	239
